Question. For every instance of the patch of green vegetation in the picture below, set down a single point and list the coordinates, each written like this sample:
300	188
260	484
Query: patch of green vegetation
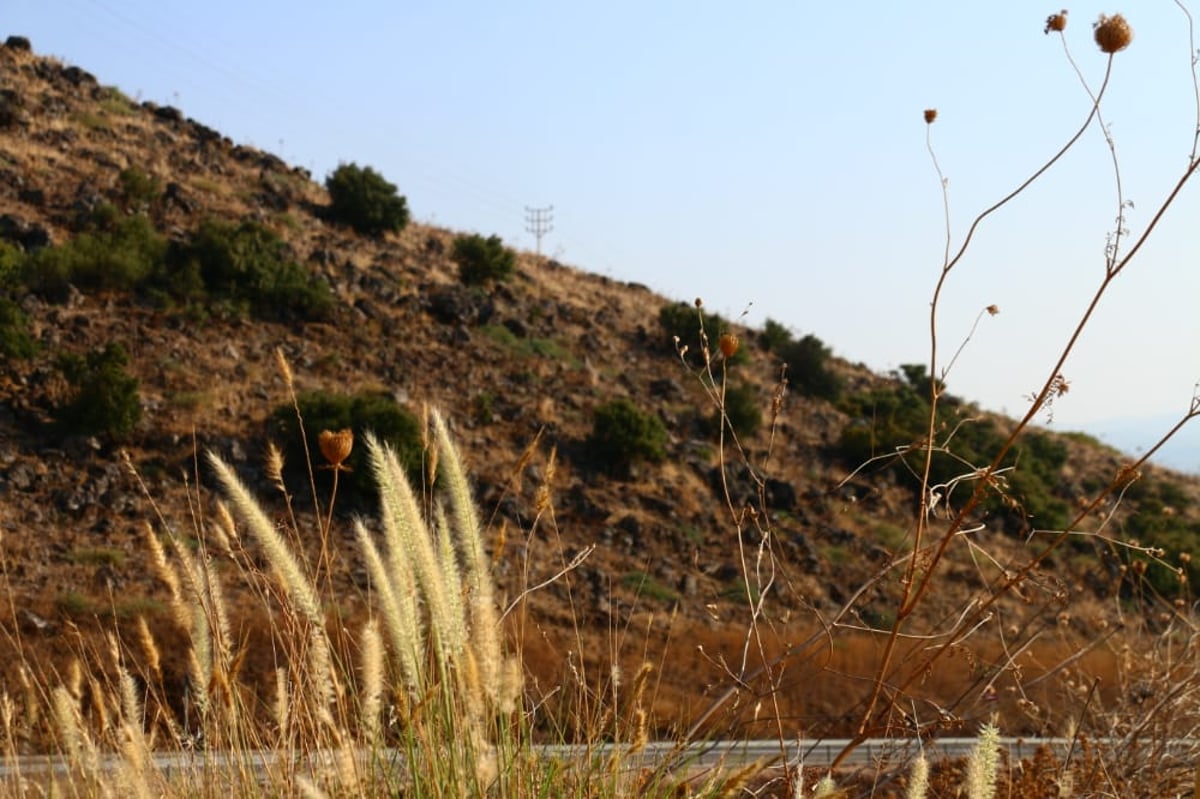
646	586
623	435
73	604
742	592
90	120
190	400
892	536
145	607
114	101
138	191
97	556
361	198
483	407
481	261
1158	518
530	347
1085	438
378	413
742	409
684	322
807	360
103	399
16	337
249	267
885	420
115	253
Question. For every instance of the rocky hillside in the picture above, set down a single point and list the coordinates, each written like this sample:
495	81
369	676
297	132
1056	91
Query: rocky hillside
519	366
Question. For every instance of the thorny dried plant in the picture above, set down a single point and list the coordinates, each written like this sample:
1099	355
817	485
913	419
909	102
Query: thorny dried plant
934	534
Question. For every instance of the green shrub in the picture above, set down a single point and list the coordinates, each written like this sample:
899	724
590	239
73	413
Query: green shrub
808	369
363	412
742	409
774	336
115	254
16	341
361	198
137	190
104	398
482	260
886	419
12	259
248	266
683	321
622	435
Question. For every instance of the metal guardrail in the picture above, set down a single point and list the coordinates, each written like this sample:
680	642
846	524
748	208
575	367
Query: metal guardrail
879	752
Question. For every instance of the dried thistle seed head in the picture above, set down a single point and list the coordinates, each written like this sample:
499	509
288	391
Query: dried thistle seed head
336	446
1113	34
930	115
1056	22
729	344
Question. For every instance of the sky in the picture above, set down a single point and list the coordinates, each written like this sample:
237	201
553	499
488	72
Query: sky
768	157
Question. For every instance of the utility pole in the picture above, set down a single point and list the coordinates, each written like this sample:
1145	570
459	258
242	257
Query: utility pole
539	222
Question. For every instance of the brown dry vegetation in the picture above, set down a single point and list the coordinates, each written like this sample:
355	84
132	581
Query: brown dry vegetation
666	580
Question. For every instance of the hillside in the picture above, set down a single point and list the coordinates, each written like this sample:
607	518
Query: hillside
520	368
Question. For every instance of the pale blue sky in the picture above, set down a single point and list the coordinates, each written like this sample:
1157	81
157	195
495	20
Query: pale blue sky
765	155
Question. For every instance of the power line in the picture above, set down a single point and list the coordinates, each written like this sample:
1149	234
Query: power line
539	222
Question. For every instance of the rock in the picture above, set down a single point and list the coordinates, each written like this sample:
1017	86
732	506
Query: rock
35	197
21	476
780	495
666	388
78	77
174	195
32	622
168	113
517	327
10	108
29	235
458	305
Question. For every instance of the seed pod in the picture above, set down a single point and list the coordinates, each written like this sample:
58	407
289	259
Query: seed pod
336	446
1112	33
729	345
930	115
1056	22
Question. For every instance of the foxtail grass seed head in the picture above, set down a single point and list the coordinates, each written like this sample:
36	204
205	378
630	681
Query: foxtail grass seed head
336	447
1113	34
285	369
729	345
918	780
930	115
1056	22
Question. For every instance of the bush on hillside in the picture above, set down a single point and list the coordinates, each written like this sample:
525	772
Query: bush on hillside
361	198
391	423
16	341
742	408
774	336
248	266
887	420
808	368
482	260
103	397
115	253
684	321
623	435
137	191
